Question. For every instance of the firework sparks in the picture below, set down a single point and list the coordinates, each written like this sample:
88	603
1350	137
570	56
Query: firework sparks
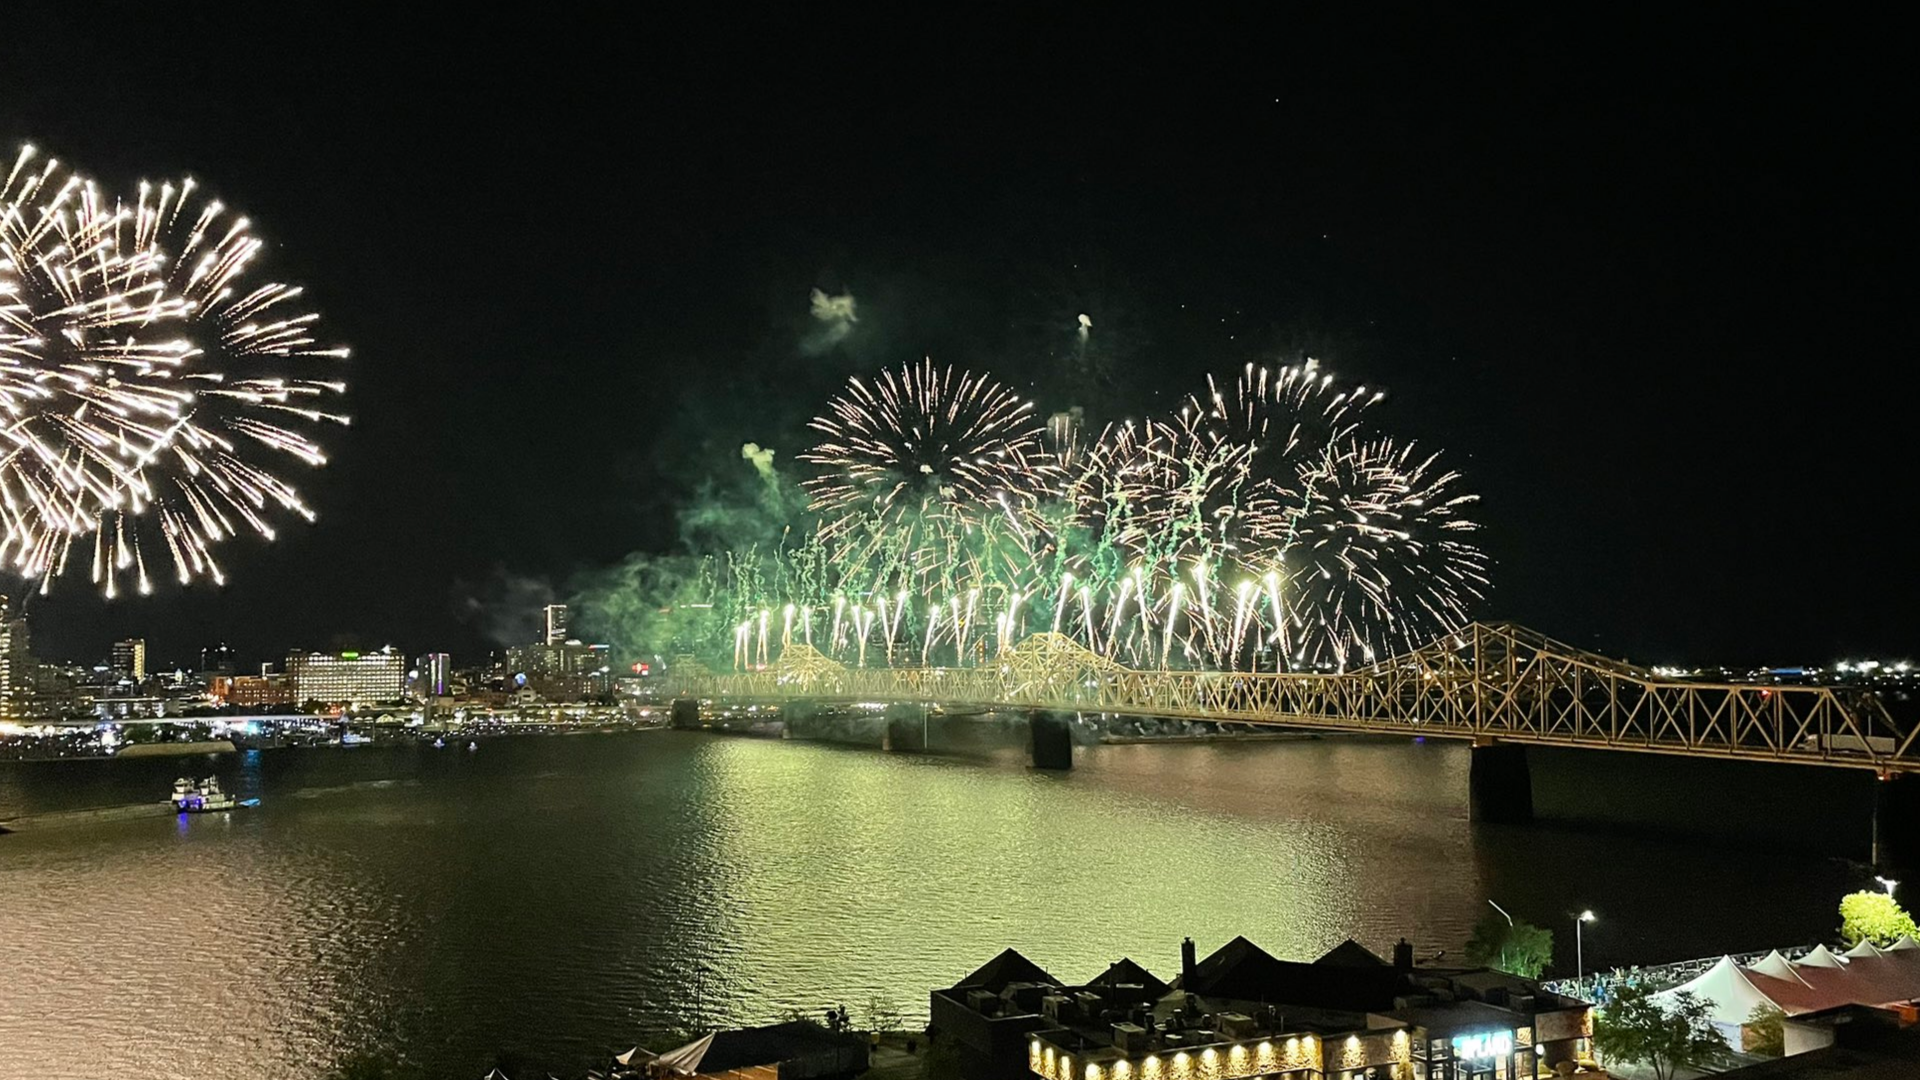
927	473
148	375
1267	526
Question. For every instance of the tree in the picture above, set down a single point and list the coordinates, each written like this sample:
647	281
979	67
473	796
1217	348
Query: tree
1875	917
881	1016
1766	1031
1634	1027
1519	948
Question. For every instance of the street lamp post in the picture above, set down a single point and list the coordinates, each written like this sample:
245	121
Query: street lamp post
1579	948
1887	883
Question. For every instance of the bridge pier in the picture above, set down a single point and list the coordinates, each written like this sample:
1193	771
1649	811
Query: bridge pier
1500	785
799	719
686	714
906	727
1896	823
1051	738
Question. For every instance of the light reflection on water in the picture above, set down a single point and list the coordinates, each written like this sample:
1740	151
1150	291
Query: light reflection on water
559	897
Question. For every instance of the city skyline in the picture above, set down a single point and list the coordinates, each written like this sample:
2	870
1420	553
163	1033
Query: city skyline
1611	343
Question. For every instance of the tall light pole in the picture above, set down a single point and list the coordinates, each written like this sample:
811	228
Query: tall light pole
1502	911
1579	949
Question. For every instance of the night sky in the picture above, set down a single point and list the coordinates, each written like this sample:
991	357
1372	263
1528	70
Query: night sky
1638	276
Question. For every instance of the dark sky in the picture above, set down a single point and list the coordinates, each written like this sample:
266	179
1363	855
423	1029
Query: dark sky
1638	275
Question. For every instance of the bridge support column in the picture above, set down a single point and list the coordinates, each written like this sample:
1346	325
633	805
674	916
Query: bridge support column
906	727
1051	739
1500	786
1896	823
798	719
686	713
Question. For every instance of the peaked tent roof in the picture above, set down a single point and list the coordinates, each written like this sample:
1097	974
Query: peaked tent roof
1351	953
686	1060
1903	944
1733	992
1777	966
1872	980
1821	956
1865	948
1008	967
1885	979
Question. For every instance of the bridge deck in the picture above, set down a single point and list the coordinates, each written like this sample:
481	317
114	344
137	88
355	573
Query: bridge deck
1487	682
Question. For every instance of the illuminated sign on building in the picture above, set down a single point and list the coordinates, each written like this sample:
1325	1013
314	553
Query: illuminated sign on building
1486	1046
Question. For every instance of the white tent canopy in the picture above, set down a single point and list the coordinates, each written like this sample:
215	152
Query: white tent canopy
1820	956
1779	967
1729	988
1820	980
686	1060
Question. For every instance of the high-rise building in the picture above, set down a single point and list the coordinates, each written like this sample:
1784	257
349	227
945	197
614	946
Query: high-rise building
16	666
346	678
130	659
436	669
556	624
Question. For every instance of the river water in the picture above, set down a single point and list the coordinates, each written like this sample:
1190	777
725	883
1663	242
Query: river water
555	899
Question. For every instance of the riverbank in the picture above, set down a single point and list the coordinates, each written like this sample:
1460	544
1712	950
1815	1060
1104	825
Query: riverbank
177	749
96	815
88	743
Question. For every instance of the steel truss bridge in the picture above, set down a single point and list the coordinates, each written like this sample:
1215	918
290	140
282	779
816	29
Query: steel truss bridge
1489	682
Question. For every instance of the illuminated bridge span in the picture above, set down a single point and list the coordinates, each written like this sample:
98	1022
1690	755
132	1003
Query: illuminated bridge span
1501	686
1488	683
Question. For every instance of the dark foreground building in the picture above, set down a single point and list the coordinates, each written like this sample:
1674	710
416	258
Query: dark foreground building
1851	1042
797	1050
1243	1013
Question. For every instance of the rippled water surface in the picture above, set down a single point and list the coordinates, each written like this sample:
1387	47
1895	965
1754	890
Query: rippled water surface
555	898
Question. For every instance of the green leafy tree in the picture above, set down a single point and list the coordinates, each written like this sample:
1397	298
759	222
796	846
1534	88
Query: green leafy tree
1875	917
1634	1027
1519	948
1766	1031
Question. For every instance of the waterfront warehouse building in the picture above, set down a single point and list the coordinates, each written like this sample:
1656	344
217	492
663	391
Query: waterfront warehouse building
1242	1013
347	678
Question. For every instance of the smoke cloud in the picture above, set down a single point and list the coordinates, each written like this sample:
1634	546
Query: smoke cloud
506	607
762	462
835	317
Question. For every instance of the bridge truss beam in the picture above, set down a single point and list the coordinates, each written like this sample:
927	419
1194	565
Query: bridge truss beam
1489	682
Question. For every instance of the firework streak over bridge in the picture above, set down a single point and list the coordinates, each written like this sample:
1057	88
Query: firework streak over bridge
1491	683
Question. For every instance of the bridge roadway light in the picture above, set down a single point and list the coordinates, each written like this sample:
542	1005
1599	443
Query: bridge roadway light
1579	950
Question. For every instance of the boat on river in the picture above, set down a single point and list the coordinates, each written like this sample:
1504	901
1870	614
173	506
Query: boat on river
201	798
